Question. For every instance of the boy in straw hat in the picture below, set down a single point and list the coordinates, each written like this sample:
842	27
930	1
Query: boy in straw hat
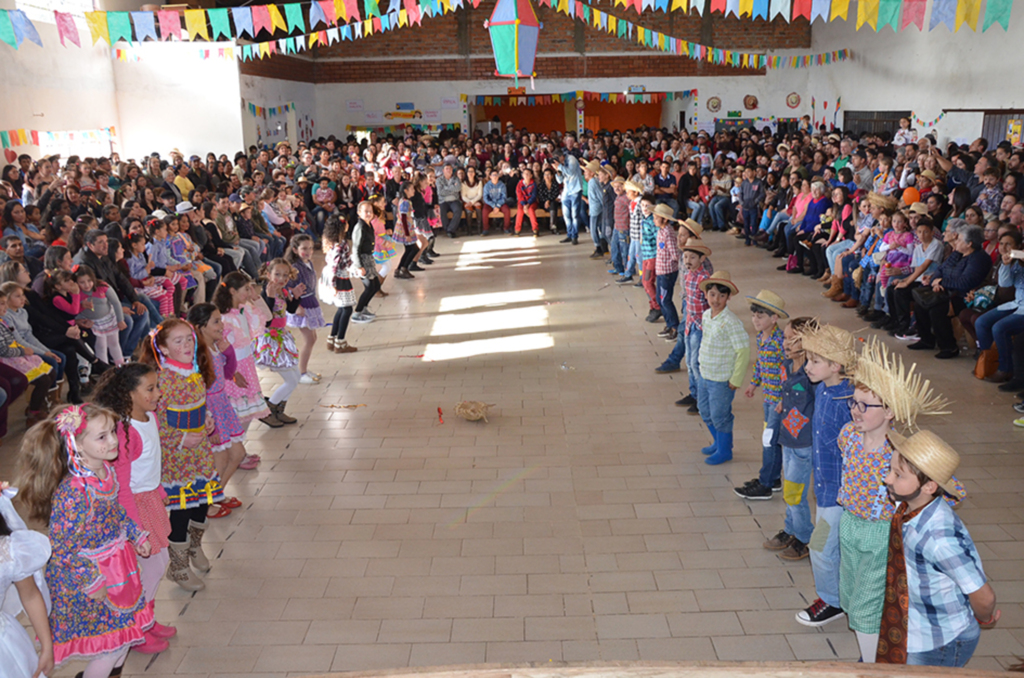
830	353
636	221
722	365
666	269
594	200
936	593
766	309
884	393
619	245
648	254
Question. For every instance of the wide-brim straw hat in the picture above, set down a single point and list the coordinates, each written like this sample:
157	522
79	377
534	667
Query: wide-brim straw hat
719	278
696	245
918	208
665	212
886	202
931	455
904	391
593	167
633	186
929	174
693	227
831	343
772	302
618	180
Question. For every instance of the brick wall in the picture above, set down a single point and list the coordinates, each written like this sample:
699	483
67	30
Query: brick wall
357	61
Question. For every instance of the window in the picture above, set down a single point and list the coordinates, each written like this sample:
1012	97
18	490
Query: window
42	10
874	122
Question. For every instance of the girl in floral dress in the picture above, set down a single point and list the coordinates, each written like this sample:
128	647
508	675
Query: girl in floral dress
188	474
309	317
131	392
228	434
275	348
67	481
335	286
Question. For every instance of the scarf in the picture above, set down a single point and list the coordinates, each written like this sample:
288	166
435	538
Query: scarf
892	638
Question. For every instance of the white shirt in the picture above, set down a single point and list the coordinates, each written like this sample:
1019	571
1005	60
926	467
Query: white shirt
146	469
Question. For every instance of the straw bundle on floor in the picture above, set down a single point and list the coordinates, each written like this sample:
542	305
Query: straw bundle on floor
472	410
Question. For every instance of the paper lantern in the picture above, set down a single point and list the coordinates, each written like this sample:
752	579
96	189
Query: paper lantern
514	29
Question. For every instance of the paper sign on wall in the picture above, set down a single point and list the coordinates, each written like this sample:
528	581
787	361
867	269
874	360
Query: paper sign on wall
1013	131
450	103
409	106
354	104
432	116
374	116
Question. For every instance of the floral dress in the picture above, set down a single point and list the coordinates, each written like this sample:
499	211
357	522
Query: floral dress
92	540
227	429
247	401
187	475
23	554
405	227
335	282
313	318
275	348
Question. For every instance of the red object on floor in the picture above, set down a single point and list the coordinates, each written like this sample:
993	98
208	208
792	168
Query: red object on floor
440	419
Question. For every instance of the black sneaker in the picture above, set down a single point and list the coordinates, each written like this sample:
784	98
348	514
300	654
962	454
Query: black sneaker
753	490
653	317
565	240
688	400
777	487
780	541
625	280
819	614
692	409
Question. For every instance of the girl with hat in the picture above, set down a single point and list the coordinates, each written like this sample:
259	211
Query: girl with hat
937	598
722	362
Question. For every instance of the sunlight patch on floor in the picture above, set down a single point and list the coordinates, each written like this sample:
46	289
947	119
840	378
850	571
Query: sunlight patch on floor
463	302
468	349
489	321
477	255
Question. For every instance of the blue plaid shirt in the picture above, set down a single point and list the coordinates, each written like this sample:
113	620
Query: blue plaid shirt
943	568
831	414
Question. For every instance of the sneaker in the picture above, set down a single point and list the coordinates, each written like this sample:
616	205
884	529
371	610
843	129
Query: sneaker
361	318
666	369
638	284
672	336
688	400
307	378
692	409
779	541
754	491
368	313
777	487
342	346
1019	423
653	317
908	336
665	332
797	550
1019	407
625	280
819	614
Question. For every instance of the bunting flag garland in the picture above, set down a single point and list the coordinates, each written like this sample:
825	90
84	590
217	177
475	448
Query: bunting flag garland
401	129
219	24
913	13
926	124
243	21
195	24
22	137
611	97
170	24
66	28
145	25
119	27
23	28
97	22
7	30
267	111
943	12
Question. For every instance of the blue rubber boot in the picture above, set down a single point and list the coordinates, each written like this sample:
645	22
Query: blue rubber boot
713	447
724	452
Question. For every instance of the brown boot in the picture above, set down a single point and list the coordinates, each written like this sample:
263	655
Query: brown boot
851	303
826	277
178	570
195	546
841	298
835	289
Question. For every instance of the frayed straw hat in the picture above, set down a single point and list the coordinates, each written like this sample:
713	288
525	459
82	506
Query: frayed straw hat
693	227
635	187
932	456
665	212
886	202
831	343
902	390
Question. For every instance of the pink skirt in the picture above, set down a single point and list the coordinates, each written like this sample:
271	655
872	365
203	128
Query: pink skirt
154	518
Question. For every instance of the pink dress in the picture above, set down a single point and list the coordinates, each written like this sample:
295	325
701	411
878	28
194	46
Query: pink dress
239	325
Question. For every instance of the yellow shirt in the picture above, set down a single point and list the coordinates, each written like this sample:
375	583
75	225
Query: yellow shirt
184	185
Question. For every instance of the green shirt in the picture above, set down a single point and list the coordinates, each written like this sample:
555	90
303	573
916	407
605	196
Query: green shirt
724	348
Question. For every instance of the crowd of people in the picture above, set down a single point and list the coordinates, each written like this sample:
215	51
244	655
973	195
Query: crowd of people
157	289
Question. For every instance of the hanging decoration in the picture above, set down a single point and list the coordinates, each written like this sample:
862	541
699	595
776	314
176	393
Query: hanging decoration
793	100
714	104
21	137
267	111
402	129
926	124
514	29
610	97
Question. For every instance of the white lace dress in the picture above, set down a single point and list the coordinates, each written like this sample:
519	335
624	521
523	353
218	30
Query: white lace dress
23	554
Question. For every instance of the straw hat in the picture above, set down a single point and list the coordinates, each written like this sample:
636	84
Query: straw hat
831	343
782	148
696	245
903	391
919	208
932	456
618	180
929	174
770	301
693	227
593	167
719	278
886	202
665	212
633	186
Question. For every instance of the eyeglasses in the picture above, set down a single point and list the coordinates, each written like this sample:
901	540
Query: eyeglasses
856	405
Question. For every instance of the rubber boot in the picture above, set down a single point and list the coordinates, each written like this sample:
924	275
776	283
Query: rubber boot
713	447
178	570
158	630
195	546
724	452
151	645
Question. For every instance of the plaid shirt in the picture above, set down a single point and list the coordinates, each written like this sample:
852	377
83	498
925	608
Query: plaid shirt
831	414
622	214
724	348
648	239
636	221
666	260
943	568
768	367
696	303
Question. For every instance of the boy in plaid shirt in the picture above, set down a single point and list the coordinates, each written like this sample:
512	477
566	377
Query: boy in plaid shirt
648	254
666	269
619	245
636	220
767	308
697	269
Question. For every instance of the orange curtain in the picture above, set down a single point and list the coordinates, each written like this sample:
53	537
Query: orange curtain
623	116
541	119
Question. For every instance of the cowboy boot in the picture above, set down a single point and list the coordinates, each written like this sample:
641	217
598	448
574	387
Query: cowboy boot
178	570
835	289
278	411
195	546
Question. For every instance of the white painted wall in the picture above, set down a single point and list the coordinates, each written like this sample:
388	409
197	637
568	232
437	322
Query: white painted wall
172	98
270	92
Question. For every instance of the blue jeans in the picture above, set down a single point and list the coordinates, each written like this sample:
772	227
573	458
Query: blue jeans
596	230
570	212
137	326
780	219
824	549
796	469
956	653
999	327
714	400
771	453
692	353
719	208
619	250
671	202
56	363
697	210
633	261
834	250
666	284
154	312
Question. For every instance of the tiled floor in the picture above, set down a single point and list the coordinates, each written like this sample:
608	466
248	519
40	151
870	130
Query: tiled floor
580	523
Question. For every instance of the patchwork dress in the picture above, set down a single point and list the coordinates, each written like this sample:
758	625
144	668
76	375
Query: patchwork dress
240	324
227	429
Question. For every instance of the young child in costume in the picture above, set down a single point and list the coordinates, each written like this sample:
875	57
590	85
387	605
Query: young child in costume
937	598
275	348
405	229
884	393
98	608
23	359
228	434
188	474
131	392
23	555
104	311
335	285
308	317
240	325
